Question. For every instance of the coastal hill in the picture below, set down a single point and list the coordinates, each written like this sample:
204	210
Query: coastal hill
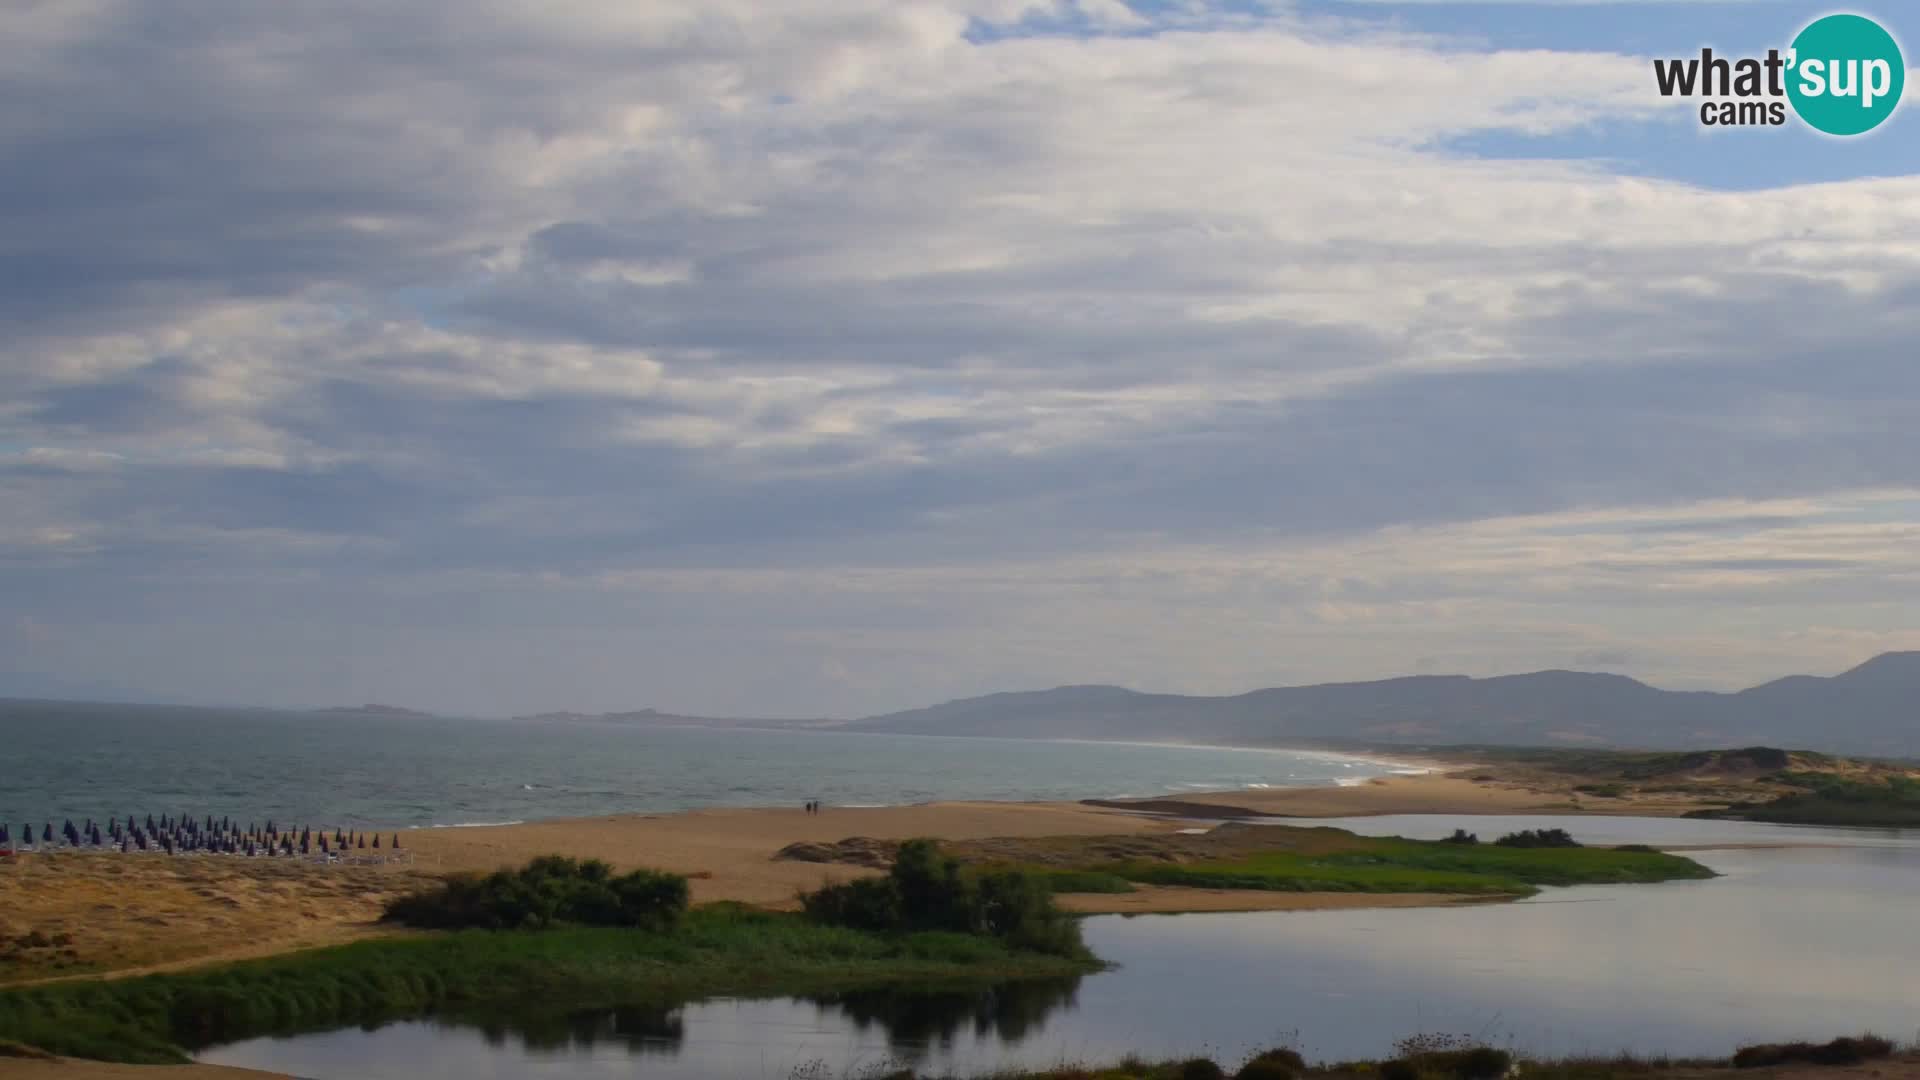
374	710
1871	709
656	718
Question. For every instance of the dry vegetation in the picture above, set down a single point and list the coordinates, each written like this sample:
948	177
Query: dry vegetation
80	913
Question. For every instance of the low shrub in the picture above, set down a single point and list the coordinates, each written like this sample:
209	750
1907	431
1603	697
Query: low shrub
1538	838
1477	1063
1200	1069
865	904
1278	1064
1462	836
1603	791
1847	1050
1086	881
549	891
1457	1056
927	890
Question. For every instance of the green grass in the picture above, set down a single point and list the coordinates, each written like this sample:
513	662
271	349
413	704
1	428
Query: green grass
1086	881
1893	802
720	950
1394	865
1603	791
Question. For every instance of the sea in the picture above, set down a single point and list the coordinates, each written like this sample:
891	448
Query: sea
79	761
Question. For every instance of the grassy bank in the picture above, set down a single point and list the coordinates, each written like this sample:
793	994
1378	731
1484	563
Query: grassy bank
1387	866
1288	859
719	950
1890	802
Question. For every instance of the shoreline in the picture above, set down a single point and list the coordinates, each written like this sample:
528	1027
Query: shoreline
103	912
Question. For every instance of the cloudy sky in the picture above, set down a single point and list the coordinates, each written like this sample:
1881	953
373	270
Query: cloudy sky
809	357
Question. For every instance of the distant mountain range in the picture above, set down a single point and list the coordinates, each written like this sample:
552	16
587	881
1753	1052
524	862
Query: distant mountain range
1872	709
372	710
662	719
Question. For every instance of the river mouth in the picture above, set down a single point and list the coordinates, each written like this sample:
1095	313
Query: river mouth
1791	942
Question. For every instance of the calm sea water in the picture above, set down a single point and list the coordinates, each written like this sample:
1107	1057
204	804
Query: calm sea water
59	761
1790	943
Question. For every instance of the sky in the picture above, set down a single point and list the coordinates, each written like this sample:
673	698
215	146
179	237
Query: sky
828	357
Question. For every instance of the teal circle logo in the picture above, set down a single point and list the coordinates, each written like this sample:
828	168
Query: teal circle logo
1846	75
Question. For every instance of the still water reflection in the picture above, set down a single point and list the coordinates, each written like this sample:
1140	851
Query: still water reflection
1790	942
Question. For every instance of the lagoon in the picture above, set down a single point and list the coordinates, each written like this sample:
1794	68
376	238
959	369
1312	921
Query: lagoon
1791	942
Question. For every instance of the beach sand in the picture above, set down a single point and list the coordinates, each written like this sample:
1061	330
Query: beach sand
730	853
81	912
123	914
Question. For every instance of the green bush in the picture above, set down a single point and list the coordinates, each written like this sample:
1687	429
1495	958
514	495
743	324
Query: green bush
1462	836
1603	791
549	891
871	904
1200	1069
1538	838
1474	1063
934	893
1842	1051
929	891
1280	1064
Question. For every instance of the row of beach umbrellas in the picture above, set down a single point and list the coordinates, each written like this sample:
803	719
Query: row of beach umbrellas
184	835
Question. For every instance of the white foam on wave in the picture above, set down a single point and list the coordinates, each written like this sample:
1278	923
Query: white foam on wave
469	825
1349	781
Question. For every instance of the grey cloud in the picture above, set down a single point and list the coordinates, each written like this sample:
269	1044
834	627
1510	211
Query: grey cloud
897	328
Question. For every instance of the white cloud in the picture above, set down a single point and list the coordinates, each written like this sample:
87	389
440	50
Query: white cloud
1062	346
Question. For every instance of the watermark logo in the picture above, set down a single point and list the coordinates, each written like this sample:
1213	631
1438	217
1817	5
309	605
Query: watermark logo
1842	75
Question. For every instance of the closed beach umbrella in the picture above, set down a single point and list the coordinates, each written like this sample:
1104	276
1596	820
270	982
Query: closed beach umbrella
46	833
376	841
363	842
396	841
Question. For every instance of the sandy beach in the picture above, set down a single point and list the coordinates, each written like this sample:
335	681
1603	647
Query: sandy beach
65	915
729	854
